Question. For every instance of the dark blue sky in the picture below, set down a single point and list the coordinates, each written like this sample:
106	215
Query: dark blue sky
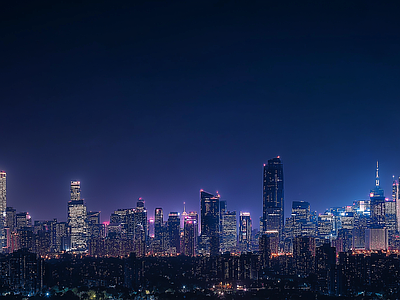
158	100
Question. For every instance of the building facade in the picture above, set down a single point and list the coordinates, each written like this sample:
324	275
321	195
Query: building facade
273	198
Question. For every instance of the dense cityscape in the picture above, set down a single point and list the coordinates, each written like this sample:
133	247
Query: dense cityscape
345	251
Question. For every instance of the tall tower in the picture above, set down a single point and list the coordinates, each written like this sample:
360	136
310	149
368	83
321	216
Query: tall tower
77	216
190	230
209	222
159	230
3	207
377	203
173	226
140	218
245	231
273	204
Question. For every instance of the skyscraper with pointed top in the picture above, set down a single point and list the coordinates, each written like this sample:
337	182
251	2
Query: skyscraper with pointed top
273	198
377	203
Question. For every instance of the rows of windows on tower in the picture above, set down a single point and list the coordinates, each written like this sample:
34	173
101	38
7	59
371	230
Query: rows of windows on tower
219	240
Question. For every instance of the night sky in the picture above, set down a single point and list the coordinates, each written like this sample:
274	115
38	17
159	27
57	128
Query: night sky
159	99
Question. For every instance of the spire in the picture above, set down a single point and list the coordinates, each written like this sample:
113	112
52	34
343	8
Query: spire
377	174
184	207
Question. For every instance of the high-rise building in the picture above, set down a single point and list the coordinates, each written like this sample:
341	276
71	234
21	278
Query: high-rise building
303	255
229	232
3	207
377	203
11	219
173	225
244	231
209	204
77	219
273	198
62	241
376	239
23	219
264	250
159	231
75	190
190	230
391	221
140	218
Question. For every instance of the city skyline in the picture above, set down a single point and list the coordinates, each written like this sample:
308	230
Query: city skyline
75	196
159	101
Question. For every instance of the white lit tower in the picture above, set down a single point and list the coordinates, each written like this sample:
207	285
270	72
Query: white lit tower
3	207
77	215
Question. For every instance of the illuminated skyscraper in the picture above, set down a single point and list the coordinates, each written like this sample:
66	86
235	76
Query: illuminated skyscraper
140	218
190	230
244	231
377	203
3	207
209	222
159	230
229	232
77	217
273	205
75	190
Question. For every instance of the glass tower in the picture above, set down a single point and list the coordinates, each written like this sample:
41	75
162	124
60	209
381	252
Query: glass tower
209	222
273	205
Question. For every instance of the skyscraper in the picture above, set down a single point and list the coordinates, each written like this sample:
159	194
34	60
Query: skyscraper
77	216
190	230
140	217
140	227
3	207
173	225
377	203
273	198
244	231
229	232
209	222
159	230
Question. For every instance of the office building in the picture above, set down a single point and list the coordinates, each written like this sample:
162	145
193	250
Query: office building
303	255
376	239
273	197
209	204
391	221
173	227
23	219
11	219
190	230
140	221
229	232
244	231
77	219
159	231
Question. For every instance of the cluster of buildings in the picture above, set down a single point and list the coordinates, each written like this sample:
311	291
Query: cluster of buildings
128	231
369	224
